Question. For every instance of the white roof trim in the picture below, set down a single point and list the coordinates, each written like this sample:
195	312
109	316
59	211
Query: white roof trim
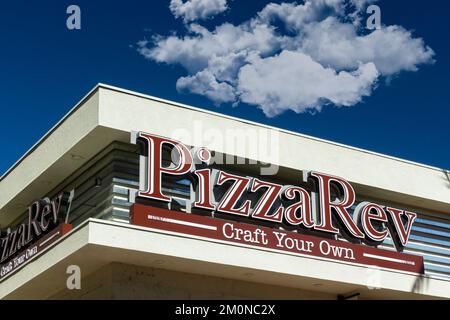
180	105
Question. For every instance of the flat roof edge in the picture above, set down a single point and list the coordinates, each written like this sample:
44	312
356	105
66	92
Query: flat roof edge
185	106
50	131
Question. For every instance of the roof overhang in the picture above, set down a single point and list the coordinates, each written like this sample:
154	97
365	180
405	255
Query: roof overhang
97	243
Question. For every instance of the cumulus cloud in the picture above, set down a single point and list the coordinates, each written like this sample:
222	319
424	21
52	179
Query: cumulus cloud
294	81
295	16
196	51
290	56
192	10
392	49
360	4
206	84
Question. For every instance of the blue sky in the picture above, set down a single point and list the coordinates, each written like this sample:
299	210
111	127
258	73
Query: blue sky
45	69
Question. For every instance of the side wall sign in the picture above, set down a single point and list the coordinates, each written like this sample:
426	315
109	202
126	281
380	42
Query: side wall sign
46	222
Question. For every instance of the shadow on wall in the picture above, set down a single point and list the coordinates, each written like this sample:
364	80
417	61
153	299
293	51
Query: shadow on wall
447	177
420	284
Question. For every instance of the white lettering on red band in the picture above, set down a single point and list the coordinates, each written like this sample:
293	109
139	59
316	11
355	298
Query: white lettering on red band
373	256
184	223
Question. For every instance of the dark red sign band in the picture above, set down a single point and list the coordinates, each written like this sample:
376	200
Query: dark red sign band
23	257
272	239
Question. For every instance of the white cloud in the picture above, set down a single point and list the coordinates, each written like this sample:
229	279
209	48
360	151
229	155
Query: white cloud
320	57
295	16
206	84
361	4
191	10
195	51
294	81
392	49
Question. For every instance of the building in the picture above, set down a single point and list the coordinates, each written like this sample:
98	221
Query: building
68	204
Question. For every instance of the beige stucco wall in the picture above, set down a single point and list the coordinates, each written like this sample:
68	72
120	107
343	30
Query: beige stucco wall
122	281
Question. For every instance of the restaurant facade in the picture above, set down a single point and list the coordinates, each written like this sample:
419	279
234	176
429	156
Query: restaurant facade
135	197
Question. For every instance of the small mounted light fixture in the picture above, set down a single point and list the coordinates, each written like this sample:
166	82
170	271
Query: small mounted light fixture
349	296
76	157
158	262
98	182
